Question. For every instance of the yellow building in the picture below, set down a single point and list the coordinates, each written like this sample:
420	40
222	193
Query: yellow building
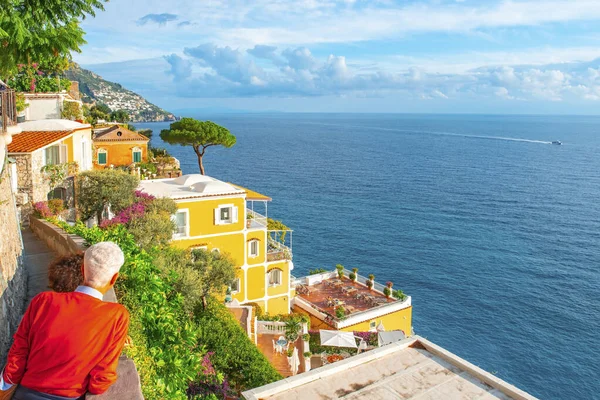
218	216
119	146
362	303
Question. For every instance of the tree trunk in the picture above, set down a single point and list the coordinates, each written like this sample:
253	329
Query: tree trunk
200	163
204	303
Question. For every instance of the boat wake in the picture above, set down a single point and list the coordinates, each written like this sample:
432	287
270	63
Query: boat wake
441	133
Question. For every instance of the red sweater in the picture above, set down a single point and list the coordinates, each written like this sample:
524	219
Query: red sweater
67	344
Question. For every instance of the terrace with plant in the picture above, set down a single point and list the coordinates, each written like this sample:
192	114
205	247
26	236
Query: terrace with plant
336	296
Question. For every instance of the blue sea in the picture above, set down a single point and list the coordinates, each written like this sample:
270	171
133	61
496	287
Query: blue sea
493	231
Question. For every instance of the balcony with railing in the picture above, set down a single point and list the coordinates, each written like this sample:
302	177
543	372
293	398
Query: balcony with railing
255	220
8	108
277	250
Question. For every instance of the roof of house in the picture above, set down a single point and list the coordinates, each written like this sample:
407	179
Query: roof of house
30	141
188	186
117	133
52	125
251	194
413	368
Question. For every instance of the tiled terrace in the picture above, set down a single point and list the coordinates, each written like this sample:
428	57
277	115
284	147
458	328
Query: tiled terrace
353	295
279	361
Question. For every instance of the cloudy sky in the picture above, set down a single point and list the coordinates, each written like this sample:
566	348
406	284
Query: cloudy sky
479	56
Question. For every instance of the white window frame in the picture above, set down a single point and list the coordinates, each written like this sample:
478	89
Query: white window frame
250	243
136	150
238	285
84	154
103	151
373	326
270	272
177	235
233	214
63	153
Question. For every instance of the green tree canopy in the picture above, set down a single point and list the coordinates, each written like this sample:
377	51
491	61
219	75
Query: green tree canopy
41	31
215	272
198	134
119	116
98	189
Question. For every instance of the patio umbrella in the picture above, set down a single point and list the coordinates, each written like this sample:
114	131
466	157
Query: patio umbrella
337	339
294	361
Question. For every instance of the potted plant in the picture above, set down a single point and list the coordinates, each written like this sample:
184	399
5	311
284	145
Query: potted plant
389	284
369	284
340	312
387	291
354	274
21	105
307	356
340	270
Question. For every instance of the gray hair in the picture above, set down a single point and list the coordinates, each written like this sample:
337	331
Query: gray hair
101	262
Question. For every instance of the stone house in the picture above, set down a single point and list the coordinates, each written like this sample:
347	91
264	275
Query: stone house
48	142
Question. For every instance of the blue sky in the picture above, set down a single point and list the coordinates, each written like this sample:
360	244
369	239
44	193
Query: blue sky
463	56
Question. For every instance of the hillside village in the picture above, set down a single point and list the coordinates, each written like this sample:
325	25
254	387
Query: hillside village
94	89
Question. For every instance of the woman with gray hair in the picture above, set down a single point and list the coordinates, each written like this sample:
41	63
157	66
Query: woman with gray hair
69	343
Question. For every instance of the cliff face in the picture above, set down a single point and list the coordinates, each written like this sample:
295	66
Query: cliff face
13	279
94	88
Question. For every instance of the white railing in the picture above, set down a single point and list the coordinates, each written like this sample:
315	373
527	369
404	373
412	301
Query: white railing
271	327
277	251
255	220
362	279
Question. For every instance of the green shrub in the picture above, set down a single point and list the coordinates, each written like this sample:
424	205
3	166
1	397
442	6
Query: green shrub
387	291
97	189
352	275
57	206
148	166
166	350
316	271
234	354
155	226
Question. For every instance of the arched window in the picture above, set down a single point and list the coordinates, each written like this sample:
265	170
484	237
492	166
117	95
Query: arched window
136	155
253	248
275	276
102	156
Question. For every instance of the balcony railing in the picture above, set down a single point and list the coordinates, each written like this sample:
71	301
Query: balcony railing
8	108
255	220
277	251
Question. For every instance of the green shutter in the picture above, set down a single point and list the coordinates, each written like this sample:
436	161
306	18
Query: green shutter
137	156
101	158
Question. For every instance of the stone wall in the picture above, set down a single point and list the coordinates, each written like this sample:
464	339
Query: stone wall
31	182
13	279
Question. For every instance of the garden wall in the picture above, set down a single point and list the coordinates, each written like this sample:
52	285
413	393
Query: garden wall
13	279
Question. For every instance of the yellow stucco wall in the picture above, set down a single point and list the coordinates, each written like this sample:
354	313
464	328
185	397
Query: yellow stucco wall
256	282
119	153
401	319
202	220
278	305
69	142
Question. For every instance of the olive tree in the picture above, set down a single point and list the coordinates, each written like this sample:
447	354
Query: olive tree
198	134
98	189
215	272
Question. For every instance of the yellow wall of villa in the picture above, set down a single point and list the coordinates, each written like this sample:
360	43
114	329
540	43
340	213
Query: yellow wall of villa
401	319
70	148
202	212
119	153
256	282
278	305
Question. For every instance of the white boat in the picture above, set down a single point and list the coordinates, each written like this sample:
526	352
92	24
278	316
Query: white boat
557	142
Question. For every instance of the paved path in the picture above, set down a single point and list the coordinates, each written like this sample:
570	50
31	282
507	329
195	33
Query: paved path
36	258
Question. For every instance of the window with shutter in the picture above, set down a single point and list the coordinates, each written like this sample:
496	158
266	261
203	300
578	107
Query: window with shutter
137	156
102	156
64	156
253	248
52	155
274	277
181	224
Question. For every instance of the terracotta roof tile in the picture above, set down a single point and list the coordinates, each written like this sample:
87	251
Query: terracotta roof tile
29	141
119	134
